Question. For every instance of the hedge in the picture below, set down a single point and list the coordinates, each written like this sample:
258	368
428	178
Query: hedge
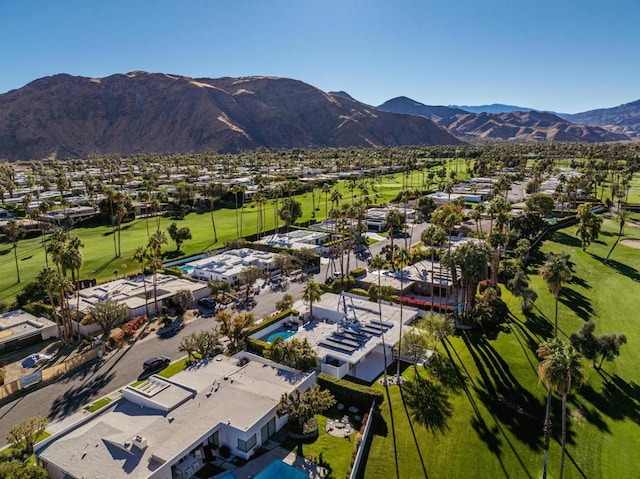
257	346
357	272
350	393
360	292
272	319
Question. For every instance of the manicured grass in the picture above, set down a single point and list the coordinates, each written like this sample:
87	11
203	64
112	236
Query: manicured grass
99	404
495	430
174	368
99	260
334	453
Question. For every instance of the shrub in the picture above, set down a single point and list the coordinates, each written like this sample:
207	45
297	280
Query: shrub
425	305
357	272
257	346
360	292
350	393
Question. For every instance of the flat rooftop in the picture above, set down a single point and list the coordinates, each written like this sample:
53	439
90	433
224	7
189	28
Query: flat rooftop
18	324
217	393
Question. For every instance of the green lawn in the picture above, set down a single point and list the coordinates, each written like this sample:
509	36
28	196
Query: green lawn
99	404
334	453
99	251
495	430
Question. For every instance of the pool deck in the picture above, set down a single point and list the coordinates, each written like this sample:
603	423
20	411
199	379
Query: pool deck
253	467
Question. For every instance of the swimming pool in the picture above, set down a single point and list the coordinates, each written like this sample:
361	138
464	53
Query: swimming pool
187	268
280	334
280	470
226	475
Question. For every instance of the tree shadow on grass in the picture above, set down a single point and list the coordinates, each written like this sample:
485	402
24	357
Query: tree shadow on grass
503	395
565	239
580	282
413	432
624	269
490	435
577	302
538	323
618	399
102	267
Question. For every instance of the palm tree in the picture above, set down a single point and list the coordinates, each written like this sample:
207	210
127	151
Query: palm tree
377	263
434	236
48	279
545	350
14	233
141	256
311	294
556	271
155	261
326	189
562	371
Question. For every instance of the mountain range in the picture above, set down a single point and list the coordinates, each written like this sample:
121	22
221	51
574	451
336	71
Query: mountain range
71	116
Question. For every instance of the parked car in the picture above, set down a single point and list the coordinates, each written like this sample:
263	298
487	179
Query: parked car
155	363
35	360
171	330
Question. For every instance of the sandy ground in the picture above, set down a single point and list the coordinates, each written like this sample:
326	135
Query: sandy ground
634	243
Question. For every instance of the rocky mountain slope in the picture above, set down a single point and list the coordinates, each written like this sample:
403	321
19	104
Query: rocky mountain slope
402	104
623	119
515	125
69	116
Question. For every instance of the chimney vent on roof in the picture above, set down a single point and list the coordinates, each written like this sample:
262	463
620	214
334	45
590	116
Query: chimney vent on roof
140	442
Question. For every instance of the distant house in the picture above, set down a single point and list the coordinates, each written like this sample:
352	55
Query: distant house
166	428
374	217
19	329
228	265
298	239
131	293
58	217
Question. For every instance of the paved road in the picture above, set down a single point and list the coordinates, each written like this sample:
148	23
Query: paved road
70	394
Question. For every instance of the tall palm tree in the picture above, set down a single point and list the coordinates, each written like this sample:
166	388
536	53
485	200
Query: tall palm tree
14	233
556	271
155	261
377	263
48	279
326	189
563	372
433	237
545	350
311	294
141	256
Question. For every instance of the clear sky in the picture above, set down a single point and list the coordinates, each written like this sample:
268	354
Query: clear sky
561	55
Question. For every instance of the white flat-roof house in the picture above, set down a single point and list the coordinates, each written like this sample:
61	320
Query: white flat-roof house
167	428
374	217
347	333
131	293
228	265
298	239
19	329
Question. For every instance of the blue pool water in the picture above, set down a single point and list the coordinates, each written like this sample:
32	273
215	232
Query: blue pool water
280	334
280	470
226	475
187	268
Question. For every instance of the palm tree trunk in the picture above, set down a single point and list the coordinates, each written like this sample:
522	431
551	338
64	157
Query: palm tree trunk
555	330
213	223
15	255
564	434
547	434
384	346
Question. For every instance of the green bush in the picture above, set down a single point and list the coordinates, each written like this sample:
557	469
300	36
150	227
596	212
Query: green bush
357	272
350	393
360	292
257	346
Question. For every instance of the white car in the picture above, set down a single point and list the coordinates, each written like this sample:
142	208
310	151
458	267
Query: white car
34	360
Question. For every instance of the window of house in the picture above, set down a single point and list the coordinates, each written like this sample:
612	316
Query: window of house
245	446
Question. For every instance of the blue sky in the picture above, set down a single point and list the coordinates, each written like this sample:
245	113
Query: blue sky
561	55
